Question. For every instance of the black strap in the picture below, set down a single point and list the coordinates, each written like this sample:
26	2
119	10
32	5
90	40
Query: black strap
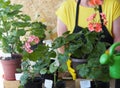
100	11
104	29
108	37
77	13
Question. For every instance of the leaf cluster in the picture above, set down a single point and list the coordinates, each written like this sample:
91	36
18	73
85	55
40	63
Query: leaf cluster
12	25
42	63
84	45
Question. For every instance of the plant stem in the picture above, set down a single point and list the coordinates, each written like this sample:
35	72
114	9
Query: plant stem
55	80
96	86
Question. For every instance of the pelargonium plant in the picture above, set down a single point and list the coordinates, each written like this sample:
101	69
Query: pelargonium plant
86	44
35	50
36	55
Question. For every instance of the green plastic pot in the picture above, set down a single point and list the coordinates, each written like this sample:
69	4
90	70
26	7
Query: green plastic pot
113	60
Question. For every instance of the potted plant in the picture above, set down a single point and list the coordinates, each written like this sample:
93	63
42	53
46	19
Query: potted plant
37	63
12	26
34	75
88	47
86	44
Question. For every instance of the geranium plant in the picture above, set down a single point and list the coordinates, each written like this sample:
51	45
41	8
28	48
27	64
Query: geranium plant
12	25
86	44
36	57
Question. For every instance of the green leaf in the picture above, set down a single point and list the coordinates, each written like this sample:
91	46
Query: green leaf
23	17
4	3
13	13
16	7
24	79
83	70
63	67
20	24
70	37
20	32
63	57
53	68
43	71
87	48
52	54
58	42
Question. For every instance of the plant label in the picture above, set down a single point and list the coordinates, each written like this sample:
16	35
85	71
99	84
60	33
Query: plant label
48	83
85	84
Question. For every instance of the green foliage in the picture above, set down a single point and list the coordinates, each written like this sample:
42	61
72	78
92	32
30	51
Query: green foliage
41	64
38	29
12	25
41	59
84	45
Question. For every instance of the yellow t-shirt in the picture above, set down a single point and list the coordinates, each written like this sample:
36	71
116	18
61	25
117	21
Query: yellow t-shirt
67	13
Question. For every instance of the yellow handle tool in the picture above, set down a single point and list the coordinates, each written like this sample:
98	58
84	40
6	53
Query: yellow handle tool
71	70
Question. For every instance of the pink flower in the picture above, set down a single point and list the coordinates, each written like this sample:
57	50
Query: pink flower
31	41
31	38
104	18
95	2
91	17
28	50
27	45
95	27
36	40
105	22
103	15
91	27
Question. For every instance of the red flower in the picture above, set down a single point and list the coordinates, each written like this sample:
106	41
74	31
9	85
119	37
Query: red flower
91	17
91	27
95	27
98	27
95	2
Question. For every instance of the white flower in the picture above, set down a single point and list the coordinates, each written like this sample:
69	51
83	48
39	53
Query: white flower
28	33
22	39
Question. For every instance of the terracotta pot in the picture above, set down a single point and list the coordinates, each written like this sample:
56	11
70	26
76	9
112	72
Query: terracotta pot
9	68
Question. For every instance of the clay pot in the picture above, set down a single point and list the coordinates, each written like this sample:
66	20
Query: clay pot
76	62
9	68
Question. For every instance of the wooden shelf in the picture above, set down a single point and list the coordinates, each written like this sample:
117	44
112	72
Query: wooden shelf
11	84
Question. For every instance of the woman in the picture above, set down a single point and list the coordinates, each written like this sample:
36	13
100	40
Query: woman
67	16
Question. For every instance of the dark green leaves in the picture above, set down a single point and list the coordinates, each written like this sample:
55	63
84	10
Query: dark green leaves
60	41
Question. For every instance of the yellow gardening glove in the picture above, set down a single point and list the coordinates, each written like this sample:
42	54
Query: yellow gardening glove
71	70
